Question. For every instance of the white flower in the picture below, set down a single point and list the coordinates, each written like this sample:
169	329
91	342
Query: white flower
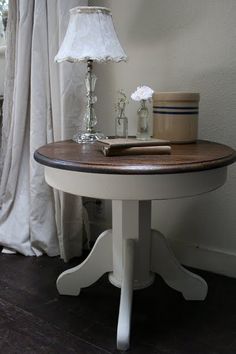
142	93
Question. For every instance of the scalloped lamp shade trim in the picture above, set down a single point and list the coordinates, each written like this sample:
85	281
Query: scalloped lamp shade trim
90	36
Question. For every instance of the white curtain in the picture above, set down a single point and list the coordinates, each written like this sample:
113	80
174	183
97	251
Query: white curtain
42	103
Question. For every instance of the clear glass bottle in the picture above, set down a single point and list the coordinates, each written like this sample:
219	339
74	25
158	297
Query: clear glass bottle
121	121
143	122
121	128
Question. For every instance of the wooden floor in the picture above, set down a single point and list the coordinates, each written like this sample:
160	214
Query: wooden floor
35	319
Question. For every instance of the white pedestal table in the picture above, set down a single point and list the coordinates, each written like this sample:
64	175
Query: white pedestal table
131	252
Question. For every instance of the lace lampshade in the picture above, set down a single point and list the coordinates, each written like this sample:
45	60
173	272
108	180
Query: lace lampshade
90	36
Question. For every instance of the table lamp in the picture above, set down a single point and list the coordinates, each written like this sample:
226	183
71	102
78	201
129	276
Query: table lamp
90	37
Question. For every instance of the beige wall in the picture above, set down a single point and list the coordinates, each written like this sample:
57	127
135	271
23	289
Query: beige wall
182	45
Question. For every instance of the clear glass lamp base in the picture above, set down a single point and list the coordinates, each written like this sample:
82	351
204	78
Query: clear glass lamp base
87	137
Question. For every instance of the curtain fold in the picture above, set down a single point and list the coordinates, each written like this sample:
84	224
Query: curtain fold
42	103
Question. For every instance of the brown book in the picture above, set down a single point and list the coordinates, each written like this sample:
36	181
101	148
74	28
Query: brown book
131	142
136	150
133	146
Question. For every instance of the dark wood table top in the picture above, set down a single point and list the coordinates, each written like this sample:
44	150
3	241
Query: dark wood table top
199	156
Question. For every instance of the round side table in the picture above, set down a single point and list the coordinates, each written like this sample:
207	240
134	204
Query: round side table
131	252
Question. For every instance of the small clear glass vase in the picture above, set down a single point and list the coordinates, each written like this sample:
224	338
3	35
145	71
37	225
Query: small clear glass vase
121	127
143	122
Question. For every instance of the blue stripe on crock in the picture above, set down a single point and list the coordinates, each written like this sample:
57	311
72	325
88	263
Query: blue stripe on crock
179	113
165	107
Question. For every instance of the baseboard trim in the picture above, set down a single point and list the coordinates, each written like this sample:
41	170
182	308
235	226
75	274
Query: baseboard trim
212	260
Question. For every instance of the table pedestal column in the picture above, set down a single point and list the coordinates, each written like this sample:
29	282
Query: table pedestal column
132	220
131	232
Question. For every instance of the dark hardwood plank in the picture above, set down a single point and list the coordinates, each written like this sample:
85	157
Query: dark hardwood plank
68	155
22	332
34	318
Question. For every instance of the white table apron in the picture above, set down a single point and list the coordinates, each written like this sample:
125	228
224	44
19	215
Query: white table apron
131	252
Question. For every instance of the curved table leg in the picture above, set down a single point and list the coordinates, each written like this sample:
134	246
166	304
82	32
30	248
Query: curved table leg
98	262
123	329
164	263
